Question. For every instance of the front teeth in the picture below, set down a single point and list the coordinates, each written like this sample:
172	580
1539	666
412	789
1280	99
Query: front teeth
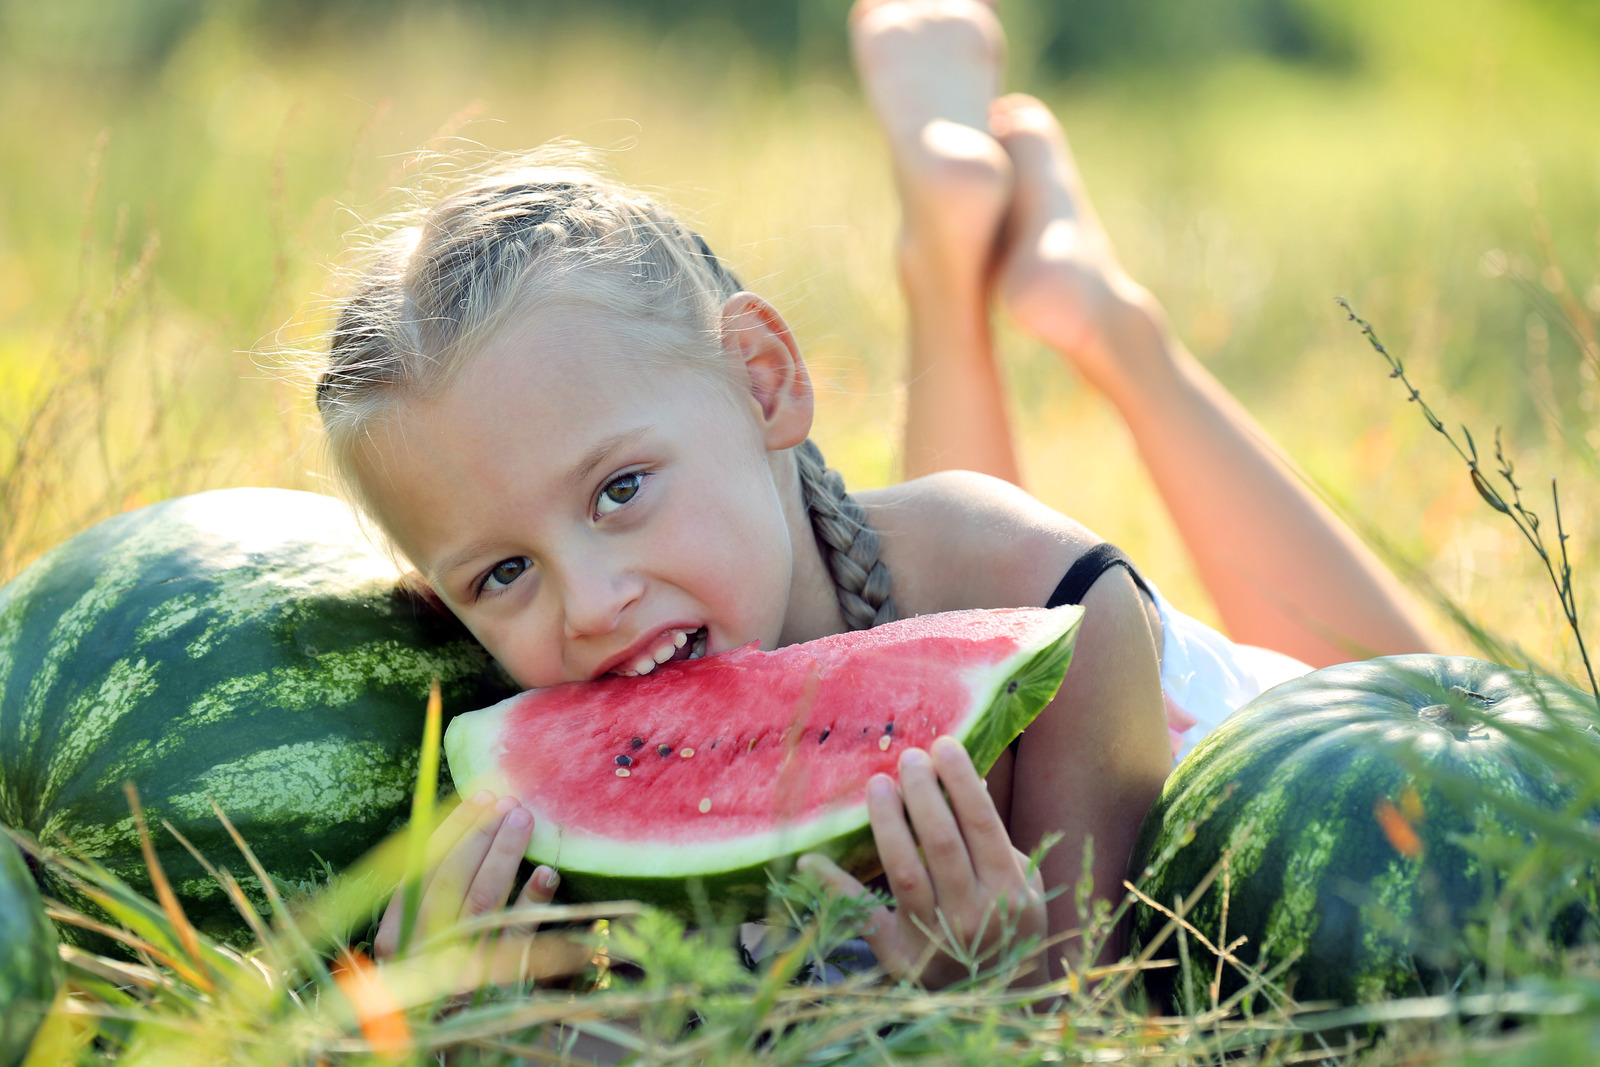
675	640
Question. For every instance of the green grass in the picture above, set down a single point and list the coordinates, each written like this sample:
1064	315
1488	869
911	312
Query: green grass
625	981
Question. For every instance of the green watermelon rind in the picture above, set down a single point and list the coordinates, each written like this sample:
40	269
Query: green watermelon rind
30	967
242	645
1287	786
735	876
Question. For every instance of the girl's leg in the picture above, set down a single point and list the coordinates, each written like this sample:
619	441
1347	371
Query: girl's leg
931	69
1283	570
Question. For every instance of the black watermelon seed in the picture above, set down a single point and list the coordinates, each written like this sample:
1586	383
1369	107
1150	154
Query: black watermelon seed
888	728
1012	687
624	761
825	734
637	742
663	750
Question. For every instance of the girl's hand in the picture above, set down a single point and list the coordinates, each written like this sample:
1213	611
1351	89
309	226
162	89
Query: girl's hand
953	859
479	847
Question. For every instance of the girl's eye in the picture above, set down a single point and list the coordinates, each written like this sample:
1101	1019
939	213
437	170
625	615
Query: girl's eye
619	491
505	572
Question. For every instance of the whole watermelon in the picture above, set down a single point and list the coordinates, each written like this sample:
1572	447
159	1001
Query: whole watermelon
29	966
1349	801
242	645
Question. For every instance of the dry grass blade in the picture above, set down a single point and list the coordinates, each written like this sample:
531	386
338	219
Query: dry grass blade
187	937
60	913
1115	988
270	887
118	972
229	884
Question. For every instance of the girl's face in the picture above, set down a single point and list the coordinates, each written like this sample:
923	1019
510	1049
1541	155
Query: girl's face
586	511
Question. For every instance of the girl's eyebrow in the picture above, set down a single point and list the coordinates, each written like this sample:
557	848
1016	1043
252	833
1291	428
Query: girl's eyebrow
591	459
456	560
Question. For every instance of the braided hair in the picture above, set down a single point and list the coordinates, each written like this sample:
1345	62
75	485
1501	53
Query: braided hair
849	545
508	241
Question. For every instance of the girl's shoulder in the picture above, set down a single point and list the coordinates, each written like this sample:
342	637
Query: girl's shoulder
958	540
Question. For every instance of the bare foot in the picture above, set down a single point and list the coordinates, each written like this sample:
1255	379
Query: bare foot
1059	275
931	68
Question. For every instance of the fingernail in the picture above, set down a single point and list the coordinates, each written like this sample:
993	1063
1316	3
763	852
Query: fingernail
519	818
913	757
549	878
880	785
482	796
505	804
947	745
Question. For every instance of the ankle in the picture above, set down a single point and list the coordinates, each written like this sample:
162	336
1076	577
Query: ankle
933	273
1138	351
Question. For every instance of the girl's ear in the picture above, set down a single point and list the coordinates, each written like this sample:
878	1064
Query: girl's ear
757	339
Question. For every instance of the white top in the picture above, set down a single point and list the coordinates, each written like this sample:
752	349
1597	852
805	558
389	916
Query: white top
1205	677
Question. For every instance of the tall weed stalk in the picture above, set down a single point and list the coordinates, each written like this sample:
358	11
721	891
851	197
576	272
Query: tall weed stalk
1557	565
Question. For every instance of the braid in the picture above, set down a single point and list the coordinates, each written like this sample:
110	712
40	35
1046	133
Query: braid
849	546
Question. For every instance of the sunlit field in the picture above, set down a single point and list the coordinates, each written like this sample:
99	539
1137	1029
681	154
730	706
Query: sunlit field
175	229
173	225
171	232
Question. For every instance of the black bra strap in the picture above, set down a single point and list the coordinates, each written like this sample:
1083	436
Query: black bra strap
1088	568
1075	585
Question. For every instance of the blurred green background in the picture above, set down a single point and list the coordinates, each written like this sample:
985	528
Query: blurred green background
177	178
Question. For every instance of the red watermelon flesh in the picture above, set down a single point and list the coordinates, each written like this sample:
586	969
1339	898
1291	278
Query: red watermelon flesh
713	769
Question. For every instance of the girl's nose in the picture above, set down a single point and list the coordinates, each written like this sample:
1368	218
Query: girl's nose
595	597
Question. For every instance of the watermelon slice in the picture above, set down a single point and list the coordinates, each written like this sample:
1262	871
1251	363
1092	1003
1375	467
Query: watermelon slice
713	770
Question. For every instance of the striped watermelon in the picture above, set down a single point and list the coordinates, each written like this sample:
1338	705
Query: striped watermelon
29	966
709	771
1348	801
246	645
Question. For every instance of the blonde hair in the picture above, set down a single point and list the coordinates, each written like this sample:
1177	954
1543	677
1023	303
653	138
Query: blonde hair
528	237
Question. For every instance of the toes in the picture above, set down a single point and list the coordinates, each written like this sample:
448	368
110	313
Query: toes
1048	181
860	8
1018	116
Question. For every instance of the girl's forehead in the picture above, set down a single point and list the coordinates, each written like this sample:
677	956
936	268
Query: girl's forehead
564	335
539	393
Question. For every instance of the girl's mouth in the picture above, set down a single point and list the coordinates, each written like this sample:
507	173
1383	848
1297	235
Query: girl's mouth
674	645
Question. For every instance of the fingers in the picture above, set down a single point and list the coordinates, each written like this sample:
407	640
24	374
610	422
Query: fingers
442	840
448	891
880	933
903	866
985	836
472	866
1030	873
497	870
540	888
944	849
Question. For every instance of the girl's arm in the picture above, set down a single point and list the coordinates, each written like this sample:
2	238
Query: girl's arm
1092	763
1282	569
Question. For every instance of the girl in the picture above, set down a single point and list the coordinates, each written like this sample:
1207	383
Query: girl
591	442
